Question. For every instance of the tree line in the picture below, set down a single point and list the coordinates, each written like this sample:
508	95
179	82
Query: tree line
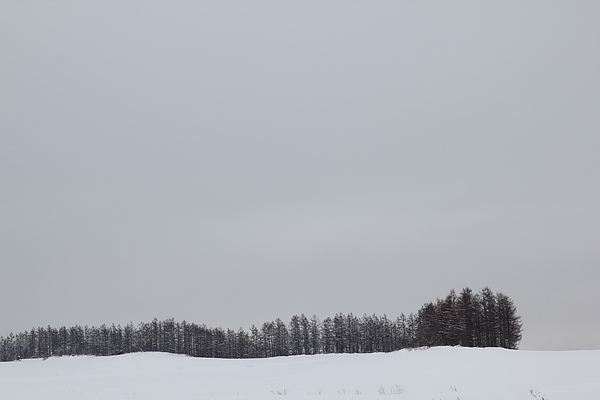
484	319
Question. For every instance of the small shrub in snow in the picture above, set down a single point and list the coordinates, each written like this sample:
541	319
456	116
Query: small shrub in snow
537	395
395	390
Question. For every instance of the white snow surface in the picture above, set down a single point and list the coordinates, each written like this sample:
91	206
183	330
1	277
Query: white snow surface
441	373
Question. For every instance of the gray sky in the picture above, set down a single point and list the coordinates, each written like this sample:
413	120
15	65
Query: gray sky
229	163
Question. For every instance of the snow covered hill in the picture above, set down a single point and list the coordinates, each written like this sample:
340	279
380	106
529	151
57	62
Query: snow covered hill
441	373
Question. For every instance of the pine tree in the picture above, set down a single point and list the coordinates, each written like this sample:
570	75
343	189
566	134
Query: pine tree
282	338
305	334
387	334
508	322
489	326
339	333
327	336
466	313
448	320
427	326
295	336
352	336
243	344
268	336
315	335
255	343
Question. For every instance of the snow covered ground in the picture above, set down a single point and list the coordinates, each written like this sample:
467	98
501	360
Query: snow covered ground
441	373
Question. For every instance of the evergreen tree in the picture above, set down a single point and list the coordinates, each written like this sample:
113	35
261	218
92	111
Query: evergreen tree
466	313
489	326
508	322
255	343
352	335
305	334
268	336
387	334
282	339
428	325
339	333
295	336
315	335
243	344
449	322
327	336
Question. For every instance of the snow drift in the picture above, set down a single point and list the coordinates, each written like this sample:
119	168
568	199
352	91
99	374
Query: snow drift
442	373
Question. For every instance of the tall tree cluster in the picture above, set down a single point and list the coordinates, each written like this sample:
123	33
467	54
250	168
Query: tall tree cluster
484	319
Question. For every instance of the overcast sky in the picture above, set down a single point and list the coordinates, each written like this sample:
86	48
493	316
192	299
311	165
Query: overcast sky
231	162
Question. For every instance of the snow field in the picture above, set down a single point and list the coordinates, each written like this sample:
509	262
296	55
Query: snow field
441	373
